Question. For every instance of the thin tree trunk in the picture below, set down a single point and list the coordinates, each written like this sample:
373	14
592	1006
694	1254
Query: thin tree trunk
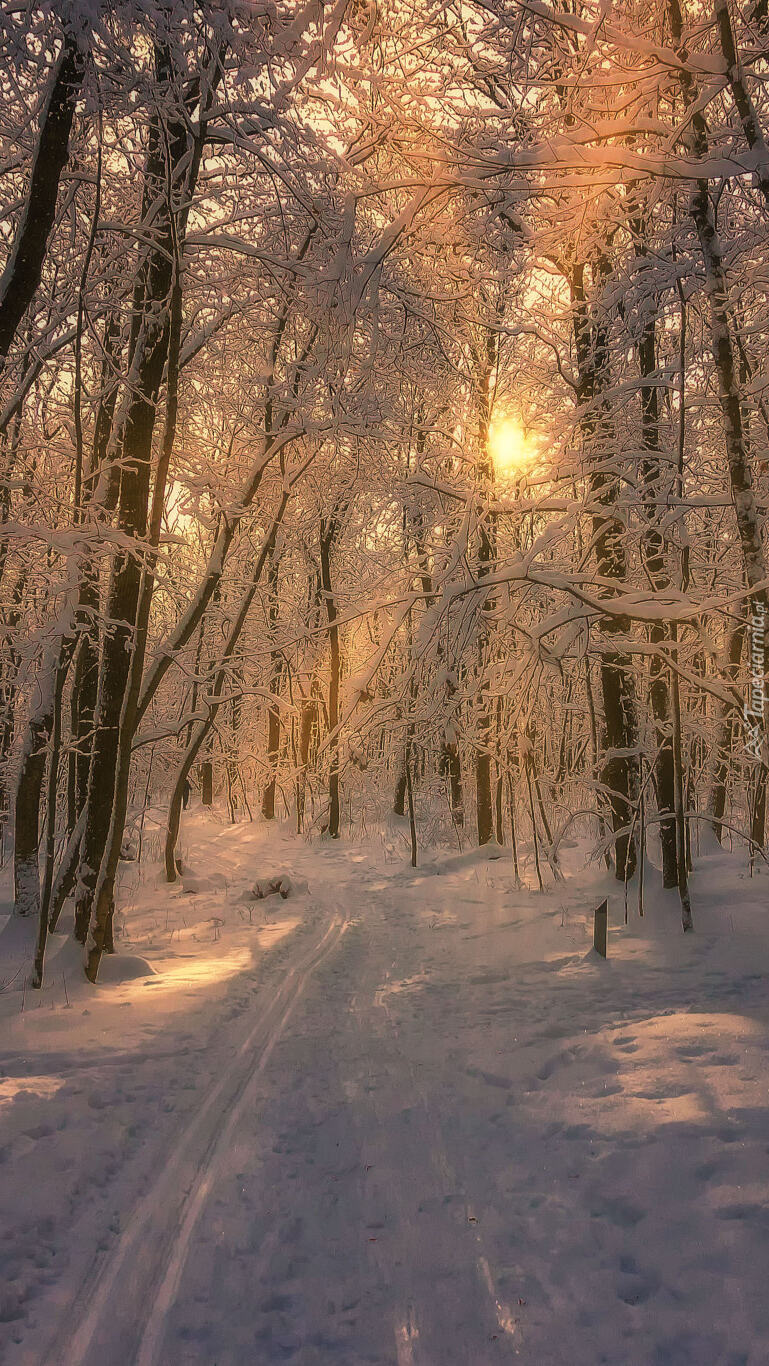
681	859
273	713
412	817
329	530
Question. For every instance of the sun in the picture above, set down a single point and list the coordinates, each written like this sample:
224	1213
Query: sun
512	447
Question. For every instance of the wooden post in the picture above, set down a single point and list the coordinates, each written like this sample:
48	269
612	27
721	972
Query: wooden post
600	928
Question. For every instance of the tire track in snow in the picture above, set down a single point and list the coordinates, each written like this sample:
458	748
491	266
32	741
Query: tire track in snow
119	1313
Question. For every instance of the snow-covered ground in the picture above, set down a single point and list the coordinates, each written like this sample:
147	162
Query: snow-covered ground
399	1117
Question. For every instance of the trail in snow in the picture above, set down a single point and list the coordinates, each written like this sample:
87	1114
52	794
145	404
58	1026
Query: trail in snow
120	1312
341	1232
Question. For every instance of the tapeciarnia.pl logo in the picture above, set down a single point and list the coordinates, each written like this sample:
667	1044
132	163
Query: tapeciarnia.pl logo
753	710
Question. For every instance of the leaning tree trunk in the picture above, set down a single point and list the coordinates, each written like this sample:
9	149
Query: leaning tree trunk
22	274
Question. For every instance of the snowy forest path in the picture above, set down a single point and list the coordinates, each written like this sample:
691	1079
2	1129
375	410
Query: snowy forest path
118	1313
312	1211
338	1228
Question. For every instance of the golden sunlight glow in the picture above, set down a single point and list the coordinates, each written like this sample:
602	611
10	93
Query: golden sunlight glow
513	449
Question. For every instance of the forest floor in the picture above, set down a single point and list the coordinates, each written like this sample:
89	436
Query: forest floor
401	1117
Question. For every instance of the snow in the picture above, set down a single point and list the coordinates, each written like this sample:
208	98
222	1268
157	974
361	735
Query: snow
405	1116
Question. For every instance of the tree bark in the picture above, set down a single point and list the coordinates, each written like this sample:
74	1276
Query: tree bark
149	346
620	770
23	272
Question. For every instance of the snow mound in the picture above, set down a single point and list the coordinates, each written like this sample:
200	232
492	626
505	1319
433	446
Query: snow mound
117	967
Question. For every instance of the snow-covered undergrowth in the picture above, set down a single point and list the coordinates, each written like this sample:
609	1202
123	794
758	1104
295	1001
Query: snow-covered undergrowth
472	1141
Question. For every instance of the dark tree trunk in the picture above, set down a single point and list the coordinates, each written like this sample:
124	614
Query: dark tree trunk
620	771
483	797
22	274
206	774
149	346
